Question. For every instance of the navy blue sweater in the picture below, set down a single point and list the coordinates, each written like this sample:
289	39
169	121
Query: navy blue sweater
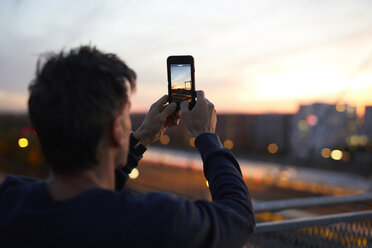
29	217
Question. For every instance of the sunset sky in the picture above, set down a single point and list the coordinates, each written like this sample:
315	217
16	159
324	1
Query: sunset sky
179	75
250	56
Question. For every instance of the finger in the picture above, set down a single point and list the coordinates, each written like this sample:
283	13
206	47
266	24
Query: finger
159	103
162	107
184	107
177	118
172	120
168	110
175	122
200	95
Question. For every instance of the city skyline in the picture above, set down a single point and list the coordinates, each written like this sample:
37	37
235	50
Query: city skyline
261	57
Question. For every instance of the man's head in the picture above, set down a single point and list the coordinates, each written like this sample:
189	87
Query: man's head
75	99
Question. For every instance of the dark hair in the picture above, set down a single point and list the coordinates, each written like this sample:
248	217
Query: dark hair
74	98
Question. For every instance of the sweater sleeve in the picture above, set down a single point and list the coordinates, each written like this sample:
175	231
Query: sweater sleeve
134	156
228	219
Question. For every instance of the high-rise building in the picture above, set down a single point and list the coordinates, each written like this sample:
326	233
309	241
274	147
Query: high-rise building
319	126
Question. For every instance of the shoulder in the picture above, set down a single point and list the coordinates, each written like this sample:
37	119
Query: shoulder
14	186
15	182
13	191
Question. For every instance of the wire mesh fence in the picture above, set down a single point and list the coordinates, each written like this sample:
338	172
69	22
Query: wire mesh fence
341	230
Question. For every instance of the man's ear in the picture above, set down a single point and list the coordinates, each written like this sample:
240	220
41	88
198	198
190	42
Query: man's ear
117	132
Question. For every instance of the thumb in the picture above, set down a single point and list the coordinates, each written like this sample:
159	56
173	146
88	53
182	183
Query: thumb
168	110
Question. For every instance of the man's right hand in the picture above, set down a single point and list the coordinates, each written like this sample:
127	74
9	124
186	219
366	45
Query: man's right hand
202	118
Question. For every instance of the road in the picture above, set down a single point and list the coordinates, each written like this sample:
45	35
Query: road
192	184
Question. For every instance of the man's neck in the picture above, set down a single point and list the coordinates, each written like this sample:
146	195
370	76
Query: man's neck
63	187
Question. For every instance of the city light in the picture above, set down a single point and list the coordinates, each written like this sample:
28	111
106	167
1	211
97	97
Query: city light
340	107
23	142
272	148
192	141
363	140
311	120
134	174
350	110
25	131
228	144
258	176
302	125
207	183
357	140
326	152
354	140
336	155
164	140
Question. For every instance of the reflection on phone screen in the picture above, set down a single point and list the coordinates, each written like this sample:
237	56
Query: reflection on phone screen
181	84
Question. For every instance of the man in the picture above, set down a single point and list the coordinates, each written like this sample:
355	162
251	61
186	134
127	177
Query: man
79	106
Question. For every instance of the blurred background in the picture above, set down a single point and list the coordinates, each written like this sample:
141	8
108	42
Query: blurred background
291	82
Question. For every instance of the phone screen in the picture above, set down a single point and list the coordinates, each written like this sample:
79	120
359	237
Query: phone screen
181	82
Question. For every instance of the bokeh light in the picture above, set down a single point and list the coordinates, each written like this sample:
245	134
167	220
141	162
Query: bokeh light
23	142
192	141
326	152
357	140
311	120
134	174
228	144
164	140
272	148
336	155
302	125
340	107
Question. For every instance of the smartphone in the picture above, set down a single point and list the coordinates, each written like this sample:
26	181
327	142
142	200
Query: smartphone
181	80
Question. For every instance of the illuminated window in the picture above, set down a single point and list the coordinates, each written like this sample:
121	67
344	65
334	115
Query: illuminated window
228	144
23	142
272	148
164	140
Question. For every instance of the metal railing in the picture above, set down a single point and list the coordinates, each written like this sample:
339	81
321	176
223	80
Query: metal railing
337	230
311	202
